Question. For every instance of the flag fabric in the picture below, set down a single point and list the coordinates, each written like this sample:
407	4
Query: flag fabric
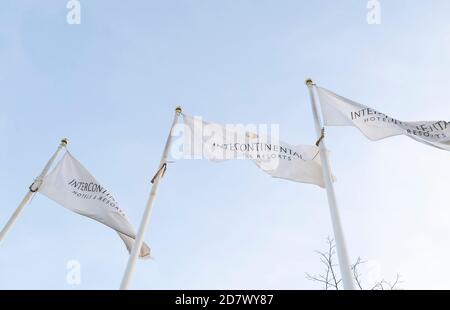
340	111
73	187
215	142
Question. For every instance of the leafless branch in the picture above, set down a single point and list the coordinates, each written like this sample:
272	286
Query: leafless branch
331	278
355	271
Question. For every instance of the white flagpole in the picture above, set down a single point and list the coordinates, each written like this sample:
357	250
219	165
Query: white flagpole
148	210
32	190
344	262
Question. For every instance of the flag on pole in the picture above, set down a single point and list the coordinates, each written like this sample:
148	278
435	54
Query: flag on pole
73	187
340	111
299	163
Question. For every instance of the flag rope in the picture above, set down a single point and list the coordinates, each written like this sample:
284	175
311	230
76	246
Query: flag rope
322	136
163	168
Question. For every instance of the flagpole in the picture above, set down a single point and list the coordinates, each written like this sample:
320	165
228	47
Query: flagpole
32	190
148	210
344	262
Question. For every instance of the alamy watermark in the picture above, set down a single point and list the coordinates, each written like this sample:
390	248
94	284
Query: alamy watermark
73	275
197	139
73	16
374	13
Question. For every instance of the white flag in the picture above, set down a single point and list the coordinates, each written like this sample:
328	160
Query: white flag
340	111
73	187
299	163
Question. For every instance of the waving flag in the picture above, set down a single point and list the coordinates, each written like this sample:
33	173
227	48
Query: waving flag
299	163
73	187
340	111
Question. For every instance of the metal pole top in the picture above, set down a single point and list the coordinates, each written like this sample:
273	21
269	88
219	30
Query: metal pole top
178	109
64	142
309	82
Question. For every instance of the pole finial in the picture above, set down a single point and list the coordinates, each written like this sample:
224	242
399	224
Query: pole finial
309	82
178	109
64	142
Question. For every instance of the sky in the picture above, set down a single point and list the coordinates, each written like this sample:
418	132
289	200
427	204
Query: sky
111	83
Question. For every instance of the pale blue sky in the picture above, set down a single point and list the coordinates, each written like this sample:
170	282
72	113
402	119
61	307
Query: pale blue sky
111	83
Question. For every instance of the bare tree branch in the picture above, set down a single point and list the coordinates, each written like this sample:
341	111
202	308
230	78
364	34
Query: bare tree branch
331	278
356	274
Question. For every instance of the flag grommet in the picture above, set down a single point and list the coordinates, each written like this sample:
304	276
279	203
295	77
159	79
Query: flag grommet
31	188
